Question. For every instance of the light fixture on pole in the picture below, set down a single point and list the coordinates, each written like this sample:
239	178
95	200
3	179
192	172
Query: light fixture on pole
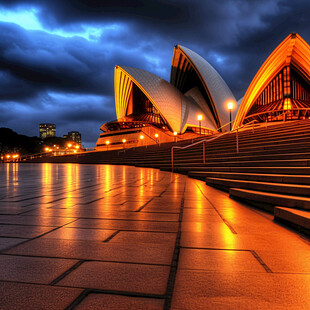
175	136
199	120
156	137
124	143
141	138
107	143
230	107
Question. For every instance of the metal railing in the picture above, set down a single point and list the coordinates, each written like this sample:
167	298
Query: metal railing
210	140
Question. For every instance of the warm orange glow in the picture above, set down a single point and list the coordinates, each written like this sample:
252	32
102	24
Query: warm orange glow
199	117
287	53
107	142
74	151
8	156
69	144
124	140
287	104
77	146
230	105
156	135
175	133
46	149
141	137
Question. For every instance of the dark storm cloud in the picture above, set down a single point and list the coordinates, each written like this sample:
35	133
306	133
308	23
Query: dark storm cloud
235	36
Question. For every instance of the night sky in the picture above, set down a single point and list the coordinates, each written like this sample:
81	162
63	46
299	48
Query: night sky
57	57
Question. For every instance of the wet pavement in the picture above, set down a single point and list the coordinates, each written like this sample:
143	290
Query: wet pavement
120	237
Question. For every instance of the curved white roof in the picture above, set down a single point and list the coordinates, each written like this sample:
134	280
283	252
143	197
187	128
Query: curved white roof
214	85
173	106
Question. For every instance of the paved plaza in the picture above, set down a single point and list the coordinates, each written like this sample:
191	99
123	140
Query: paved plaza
119	237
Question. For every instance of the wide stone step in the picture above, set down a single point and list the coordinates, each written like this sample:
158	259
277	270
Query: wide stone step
267	170
260	177
271	199
283	188
299	219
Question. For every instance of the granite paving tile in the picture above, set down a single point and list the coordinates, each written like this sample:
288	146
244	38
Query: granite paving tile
22	231
210	290
144	237
6	243
126	225
34	220
32	269
95	250
118	302
219	260
137	278
22	296
80	234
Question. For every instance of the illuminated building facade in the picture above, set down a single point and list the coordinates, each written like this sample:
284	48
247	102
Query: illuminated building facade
74	136
280	91
47	130
150	110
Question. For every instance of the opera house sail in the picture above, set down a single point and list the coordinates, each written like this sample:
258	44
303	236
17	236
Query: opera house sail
197	79
150	110
280	91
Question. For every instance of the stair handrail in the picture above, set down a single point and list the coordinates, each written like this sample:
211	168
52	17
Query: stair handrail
212	139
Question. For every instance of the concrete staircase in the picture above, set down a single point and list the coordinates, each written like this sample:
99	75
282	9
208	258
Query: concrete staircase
271	170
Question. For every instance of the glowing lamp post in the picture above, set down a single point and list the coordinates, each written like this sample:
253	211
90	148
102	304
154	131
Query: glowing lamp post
175	136
199	120
230	107
124	143
141	138
107	144
156	137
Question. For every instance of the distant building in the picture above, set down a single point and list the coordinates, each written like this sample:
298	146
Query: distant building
47	130
74	136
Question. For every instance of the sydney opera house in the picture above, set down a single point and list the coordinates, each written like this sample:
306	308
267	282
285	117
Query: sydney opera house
195	102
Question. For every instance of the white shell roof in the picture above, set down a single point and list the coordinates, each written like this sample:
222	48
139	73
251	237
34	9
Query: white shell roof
218	89
169	101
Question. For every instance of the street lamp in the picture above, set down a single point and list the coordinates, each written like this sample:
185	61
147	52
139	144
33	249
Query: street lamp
141	138
199	119
175	136
124	141
156	136
107	143
230	107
